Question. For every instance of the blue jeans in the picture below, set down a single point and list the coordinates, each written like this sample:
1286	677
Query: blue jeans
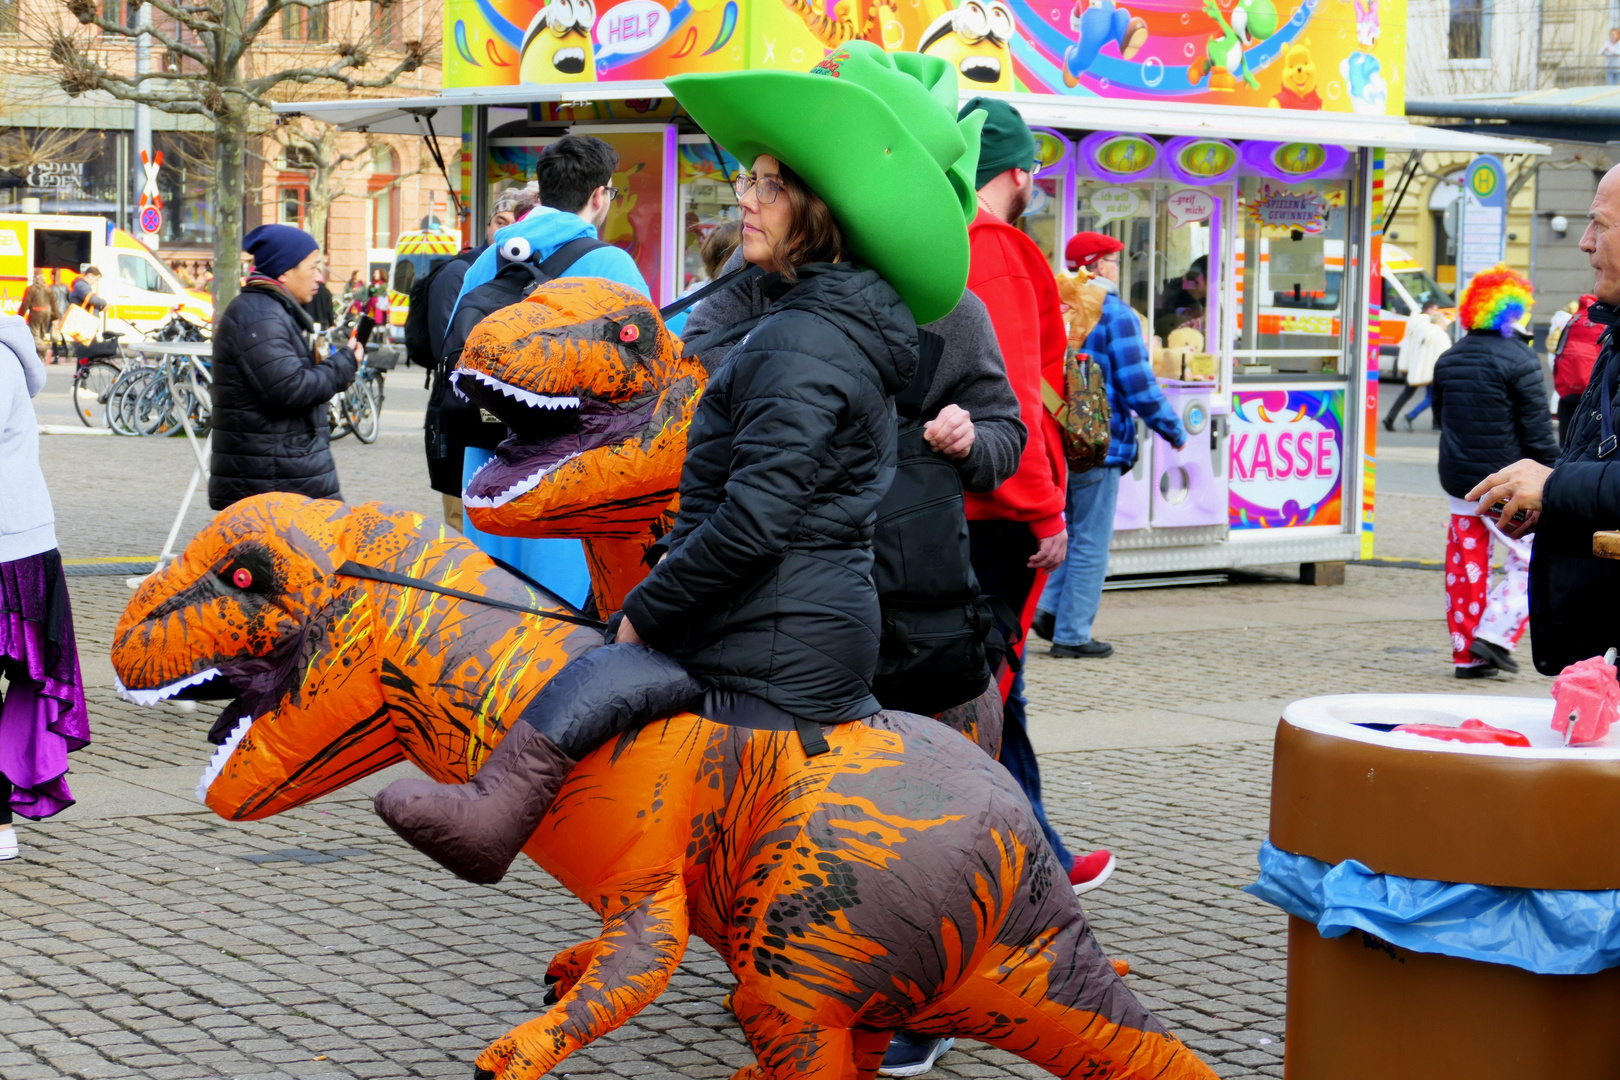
1018	758
1428	399
1074	590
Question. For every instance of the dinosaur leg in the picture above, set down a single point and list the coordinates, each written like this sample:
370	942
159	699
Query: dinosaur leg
1062	1006
638	951
792	1049
567	966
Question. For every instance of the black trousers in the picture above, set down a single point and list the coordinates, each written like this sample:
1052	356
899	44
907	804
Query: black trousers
1395	409
5	801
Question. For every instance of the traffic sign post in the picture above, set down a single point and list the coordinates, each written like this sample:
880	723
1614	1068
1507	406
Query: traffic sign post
151	204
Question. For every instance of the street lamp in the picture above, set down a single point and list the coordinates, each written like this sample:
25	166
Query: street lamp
1560	225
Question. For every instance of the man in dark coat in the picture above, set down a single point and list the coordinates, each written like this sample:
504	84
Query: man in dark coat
1573	594
270	386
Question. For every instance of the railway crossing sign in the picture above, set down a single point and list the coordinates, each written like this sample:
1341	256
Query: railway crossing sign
150	164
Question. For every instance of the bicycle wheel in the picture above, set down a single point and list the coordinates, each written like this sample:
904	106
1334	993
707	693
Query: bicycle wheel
337	418
91	386
360	402
121	400
155	410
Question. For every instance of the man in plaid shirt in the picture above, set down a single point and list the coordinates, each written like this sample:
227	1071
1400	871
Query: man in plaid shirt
1074	590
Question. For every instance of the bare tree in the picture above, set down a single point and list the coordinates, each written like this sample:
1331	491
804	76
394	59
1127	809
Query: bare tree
331	162
209	73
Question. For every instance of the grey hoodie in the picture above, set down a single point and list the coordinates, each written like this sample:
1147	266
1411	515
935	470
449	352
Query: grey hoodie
971	374
27	524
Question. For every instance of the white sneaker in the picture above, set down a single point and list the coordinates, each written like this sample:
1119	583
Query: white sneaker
8	844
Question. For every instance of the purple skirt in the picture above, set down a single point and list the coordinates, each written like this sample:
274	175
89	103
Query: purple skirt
43	717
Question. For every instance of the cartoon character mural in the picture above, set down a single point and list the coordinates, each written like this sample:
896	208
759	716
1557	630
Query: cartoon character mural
1332	55
1298	89
975	39
1252	21
1095	23
557	46
1364	78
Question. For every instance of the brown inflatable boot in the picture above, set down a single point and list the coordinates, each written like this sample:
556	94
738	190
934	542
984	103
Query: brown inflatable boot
475	830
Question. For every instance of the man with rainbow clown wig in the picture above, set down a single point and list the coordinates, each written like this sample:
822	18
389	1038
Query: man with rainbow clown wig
1573	593
1492	408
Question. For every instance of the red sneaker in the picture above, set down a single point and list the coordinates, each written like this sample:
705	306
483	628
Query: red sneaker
1091	871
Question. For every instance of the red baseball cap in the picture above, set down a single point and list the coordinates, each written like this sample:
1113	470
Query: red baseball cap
1087	247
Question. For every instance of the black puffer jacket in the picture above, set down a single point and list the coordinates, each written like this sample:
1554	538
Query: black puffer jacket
767	586
1492	408
1573	593
270	397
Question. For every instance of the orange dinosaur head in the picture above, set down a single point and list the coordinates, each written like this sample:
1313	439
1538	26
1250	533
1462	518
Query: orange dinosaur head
329	677
254	613
598	399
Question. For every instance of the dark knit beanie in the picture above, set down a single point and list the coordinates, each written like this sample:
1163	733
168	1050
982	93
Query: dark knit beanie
1006	142
276	249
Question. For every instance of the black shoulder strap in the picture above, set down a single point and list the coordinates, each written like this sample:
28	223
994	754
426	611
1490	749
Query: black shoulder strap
909	402
388	577
724	281
557	263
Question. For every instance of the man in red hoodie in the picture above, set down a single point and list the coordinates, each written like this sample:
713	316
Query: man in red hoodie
1017	530
1577	352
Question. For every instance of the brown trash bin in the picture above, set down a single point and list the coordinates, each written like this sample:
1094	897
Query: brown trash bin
1543	818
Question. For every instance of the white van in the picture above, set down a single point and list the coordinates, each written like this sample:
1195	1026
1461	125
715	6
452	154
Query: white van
139	289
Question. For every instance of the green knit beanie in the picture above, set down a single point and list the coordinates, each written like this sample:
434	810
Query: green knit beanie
1006	142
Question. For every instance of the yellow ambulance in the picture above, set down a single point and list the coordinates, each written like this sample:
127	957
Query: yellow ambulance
139	289
415	256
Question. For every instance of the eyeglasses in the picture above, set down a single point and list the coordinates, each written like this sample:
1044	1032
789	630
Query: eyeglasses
613	193
765	188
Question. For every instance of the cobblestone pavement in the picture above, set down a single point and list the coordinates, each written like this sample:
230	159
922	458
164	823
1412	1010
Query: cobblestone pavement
150	939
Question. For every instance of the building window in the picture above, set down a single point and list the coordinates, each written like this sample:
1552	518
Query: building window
121	12
386	21
292	205
384	197
1469	33
8	16
303	24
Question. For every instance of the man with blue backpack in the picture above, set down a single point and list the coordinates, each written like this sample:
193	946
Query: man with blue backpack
558	238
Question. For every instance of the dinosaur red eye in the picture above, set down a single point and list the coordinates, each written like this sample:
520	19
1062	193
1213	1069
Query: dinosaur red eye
243	578
630	332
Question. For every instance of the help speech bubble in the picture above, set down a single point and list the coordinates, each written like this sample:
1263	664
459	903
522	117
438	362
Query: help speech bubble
1189	204
630	29
1114	203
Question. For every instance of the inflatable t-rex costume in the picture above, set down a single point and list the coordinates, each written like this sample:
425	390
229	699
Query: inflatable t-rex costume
899	879
598	398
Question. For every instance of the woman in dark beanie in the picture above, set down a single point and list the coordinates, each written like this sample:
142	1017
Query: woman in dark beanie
271	383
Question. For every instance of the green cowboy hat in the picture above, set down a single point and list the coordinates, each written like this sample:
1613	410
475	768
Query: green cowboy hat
876	136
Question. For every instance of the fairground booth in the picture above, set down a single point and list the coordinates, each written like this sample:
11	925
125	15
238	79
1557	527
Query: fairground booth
1236	147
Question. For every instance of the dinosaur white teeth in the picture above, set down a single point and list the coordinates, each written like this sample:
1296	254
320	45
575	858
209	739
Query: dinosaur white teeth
533	400
162	693
522	487
216	764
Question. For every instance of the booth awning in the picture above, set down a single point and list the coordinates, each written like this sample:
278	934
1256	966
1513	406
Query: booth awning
406	116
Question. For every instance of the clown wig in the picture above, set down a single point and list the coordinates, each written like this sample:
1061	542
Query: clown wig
1496	299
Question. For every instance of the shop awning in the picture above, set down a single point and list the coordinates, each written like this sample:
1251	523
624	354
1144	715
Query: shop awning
404	116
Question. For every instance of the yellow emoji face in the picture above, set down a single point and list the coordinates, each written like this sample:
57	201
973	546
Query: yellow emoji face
974	38
557	47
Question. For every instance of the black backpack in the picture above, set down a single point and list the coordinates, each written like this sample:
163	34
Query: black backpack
454	423
418	344
940	635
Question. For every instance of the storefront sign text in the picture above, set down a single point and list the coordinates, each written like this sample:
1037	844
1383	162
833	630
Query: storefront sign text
1286	458
1280	208
1113	204
1189	205
62	177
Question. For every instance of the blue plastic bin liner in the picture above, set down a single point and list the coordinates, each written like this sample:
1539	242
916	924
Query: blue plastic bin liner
1547	931
557	564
